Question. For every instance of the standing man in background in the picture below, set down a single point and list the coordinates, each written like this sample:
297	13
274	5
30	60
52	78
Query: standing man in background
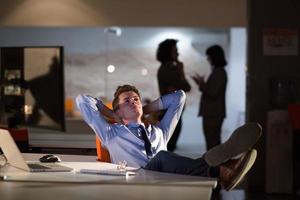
171	77
212	104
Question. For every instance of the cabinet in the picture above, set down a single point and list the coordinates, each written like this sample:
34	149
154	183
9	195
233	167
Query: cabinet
11	73
294	113
297	161
32	87
279	153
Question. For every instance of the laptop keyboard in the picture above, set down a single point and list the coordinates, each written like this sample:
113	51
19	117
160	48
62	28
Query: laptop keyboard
37	166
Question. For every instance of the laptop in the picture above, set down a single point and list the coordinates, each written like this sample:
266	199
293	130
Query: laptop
15	158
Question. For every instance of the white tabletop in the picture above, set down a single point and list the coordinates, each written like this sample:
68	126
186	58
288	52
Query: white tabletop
74	185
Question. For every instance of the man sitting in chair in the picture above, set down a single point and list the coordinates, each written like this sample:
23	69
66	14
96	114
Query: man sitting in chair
146	146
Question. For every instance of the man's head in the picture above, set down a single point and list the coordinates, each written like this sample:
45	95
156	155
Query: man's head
216	56
167	51
127	103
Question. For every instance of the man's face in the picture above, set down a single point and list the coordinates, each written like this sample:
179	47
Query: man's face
209	59
174	53
130	106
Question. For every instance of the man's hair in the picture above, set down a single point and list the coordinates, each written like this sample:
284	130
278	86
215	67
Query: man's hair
120	90
217	56
163	53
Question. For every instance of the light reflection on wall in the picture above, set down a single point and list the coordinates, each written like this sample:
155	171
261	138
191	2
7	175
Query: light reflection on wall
185	40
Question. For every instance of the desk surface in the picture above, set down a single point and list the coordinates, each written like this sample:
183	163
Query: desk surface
73	185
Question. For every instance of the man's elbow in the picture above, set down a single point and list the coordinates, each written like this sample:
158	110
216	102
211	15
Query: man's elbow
82	99
181	95
79	99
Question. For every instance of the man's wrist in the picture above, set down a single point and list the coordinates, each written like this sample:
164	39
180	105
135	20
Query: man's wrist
99	104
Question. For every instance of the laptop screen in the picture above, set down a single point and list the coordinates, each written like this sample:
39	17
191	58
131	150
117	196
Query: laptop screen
11	151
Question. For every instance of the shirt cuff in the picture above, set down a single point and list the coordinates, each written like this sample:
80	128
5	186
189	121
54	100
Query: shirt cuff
160	104
99	104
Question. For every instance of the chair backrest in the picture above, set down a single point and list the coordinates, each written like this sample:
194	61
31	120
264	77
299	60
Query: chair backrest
102	153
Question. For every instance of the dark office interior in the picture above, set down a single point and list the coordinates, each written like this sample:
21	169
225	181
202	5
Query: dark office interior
272	72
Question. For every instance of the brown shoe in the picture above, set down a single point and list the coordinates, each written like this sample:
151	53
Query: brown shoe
241	140
234	170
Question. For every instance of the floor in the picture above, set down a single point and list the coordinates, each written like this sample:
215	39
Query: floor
242	195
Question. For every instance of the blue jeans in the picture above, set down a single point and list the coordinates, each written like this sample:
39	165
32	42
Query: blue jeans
165	161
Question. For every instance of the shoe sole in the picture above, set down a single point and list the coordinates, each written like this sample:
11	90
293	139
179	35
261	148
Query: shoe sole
250	158
241	140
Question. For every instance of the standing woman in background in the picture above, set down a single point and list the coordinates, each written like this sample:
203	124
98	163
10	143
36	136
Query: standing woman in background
171	77
212	104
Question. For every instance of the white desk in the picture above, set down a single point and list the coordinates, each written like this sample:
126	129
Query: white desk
71	185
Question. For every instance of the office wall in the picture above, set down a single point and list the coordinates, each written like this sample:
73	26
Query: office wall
204	13
88	51
262	68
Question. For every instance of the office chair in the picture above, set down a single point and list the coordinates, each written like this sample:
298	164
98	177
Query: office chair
102	153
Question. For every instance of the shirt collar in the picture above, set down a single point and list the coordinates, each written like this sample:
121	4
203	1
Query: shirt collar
135	125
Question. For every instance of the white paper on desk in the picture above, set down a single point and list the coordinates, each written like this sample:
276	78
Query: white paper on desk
113	172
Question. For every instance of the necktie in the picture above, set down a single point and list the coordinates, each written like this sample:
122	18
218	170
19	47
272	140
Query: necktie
146	140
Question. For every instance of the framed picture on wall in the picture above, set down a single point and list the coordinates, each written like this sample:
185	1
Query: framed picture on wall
280	42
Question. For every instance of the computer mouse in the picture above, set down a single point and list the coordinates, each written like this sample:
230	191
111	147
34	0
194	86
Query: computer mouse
49	158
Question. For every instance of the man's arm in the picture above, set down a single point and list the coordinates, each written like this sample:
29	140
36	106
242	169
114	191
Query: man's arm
108	113
217	83
173	103
153	106
183	84
172	77
94	116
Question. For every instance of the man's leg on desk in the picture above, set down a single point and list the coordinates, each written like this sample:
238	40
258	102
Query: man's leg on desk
217	162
